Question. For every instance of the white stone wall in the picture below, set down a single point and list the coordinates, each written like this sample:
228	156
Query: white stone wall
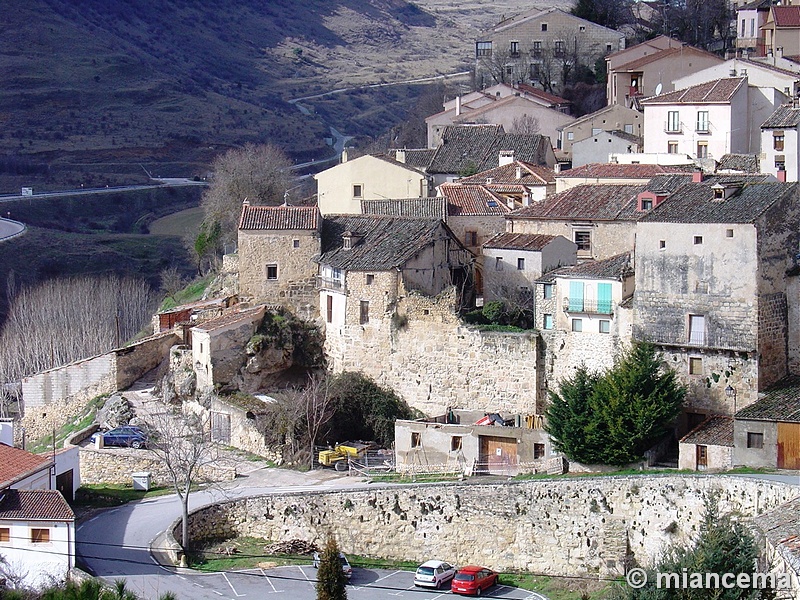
607	239
718	458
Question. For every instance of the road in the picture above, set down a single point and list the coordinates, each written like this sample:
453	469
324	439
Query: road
9	229
171	182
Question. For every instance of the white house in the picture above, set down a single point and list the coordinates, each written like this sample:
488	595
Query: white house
780	141
599	147
759	72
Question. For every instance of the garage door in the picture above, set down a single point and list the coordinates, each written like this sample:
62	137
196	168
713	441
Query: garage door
789	445
498	455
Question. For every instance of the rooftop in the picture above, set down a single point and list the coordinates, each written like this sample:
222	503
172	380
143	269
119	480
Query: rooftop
44	505
419	158
519	241
619	171
603	202
786	16
231	318
472	200
259	217
742	163
616	268
17	464
716	430
425	208
712	92
786	115
780	403
530	174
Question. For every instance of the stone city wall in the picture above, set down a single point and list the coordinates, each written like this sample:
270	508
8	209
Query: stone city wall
557	527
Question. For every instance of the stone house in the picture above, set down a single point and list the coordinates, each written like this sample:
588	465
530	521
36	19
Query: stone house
601	146
521	182
712	290
649	68
780	143
781	31
614	117
709	446
620	174
37	536
276	248
512	262
535	45
341	188
423	208
459	442
767	433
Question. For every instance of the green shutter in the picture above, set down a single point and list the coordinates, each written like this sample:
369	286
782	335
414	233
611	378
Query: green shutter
576	296
604	298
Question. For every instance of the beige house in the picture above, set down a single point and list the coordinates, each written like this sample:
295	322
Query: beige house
276	248
535	46
750	20
615	174
781	31
614	117
520	182
600	147
341	189
709	446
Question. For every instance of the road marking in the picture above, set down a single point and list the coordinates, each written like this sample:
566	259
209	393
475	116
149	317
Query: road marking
269	581
382	578
400	593
218	593
238	595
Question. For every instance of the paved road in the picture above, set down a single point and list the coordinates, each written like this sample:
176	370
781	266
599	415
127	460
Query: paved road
9	229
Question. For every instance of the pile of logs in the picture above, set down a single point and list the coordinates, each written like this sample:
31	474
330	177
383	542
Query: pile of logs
295	547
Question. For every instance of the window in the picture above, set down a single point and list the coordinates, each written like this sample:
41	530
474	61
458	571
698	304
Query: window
364	312
743	21
604	298
544	26
662	244
608	47
329	311
538	451
752	28
548	291
520	264
755	440
702	121
40	536
559	48
577	324
729	233
471	238
295	243
514	48
583	239
647	203
672	147
698	239
628	128
570	135
778	140
358	190
509	70
272	272
596	130
605	326
483	49
498	263
536	51
548	322
455	443
702	149
780	162
582	28
5	534
673	121
535	71
697	329
415	439
695	365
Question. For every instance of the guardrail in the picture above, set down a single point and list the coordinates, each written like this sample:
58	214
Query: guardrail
14	235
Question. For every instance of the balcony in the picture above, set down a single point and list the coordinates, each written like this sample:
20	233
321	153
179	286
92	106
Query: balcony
703	127
331	285
673	127
588	306
710	340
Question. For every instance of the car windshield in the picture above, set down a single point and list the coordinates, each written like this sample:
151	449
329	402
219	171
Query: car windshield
425	571
343	560
465	577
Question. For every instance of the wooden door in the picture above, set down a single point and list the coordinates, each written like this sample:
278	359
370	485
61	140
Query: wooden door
498	455
789	445
702	457
64	485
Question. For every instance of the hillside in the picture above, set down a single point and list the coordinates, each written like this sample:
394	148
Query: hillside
93	91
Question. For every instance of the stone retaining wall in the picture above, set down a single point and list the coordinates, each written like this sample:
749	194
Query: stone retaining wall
557	527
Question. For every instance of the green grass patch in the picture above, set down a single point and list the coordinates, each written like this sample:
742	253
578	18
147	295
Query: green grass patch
419	478
558	588
179	224
249	553
191	293
111	494
80	421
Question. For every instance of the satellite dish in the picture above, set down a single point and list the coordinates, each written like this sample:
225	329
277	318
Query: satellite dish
659	87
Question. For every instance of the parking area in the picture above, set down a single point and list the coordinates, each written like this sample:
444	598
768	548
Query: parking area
297	582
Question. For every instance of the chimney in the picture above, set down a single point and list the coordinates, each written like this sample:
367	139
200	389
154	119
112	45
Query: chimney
697	177
779	52
519	172
400	156
782	175
506	157
344	155
458	106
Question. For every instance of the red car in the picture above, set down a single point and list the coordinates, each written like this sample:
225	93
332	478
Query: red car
473	580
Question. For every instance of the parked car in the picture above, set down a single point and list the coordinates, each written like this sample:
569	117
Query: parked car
473	580
434	573
122	436
348	570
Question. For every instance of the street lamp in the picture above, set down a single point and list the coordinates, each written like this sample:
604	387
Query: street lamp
730	392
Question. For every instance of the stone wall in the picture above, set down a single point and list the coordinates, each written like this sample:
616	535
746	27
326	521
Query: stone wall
473	370
137	359
242	432
557	527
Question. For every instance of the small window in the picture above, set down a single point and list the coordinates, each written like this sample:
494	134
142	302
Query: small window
698	239
583	239
577	324
272	272
628	128
329	311
548	291
608	47
370	278
483	49
729	233
514	49
605	326
364	312
415	439
358	190
455	443
509	71
559	48
672	147
520	264
5	534
538	451
702	149
570	135
295	243
537	49
471	238
582	28
755	440
40	536
662	244
544	26
498	263
548	322
778	140
647	203
695	365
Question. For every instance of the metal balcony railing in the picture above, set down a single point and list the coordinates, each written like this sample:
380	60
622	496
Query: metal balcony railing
677	336
590	306
326	283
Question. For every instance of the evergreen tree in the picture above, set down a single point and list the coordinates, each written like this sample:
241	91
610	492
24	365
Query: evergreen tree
331	580
569	416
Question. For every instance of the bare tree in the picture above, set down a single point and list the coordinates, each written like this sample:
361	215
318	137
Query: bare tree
525	124
318	408
181	441
259	174
172	282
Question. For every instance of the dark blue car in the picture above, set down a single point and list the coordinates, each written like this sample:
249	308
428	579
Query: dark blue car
123	436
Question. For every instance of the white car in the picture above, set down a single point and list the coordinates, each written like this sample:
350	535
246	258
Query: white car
348	570
434	573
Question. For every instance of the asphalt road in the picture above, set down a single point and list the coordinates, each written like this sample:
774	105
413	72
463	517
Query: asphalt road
10	228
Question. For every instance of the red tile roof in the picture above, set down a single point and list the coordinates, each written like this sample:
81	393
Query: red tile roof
38	505
279	217
551	98
786	16
231	318
530	174
618	171
472	200
716	430
666	54
16	464
716	91
519	241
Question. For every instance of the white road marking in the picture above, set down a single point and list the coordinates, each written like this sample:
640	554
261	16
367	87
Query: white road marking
382	578
269	581
238	595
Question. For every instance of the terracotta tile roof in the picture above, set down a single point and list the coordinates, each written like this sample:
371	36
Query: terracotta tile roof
32	505
781	526
259	217
426	208
385	242
743	163
785	116
618	171
617	268
506	188
551	98
519	241
713	92
478	147
780	403
716	430
472	200
419	158
604	202
695	202
665	54
231	318
786	16
530	174
16	464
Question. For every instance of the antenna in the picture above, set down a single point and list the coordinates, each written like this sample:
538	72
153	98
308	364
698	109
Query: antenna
659	87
